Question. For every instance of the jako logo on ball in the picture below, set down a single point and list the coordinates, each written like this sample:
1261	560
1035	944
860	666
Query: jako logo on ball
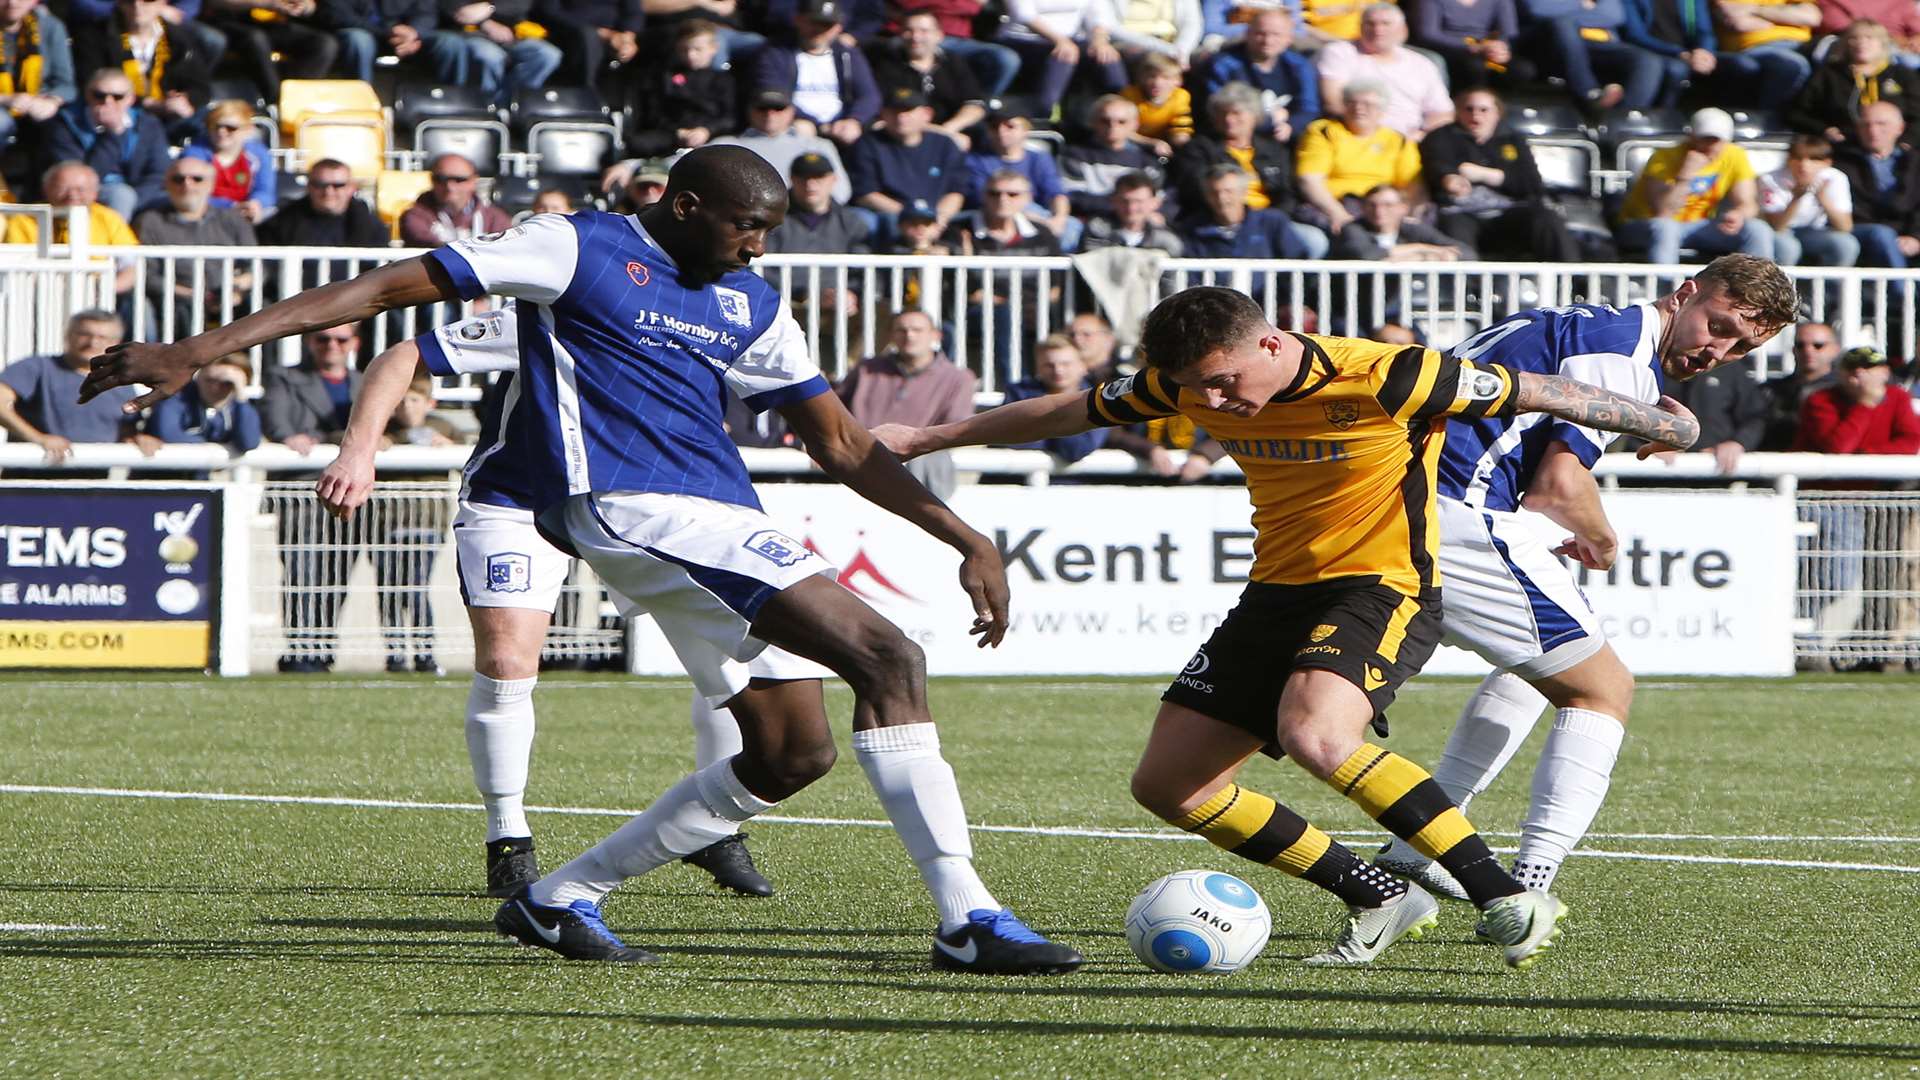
1198	921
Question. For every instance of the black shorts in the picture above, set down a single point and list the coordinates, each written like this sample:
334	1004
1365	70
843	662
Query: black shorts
1366	633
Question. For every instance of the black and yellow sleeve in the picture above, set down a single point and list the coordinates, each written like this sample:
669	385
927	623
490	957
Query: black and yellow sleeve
1144	395
1422	384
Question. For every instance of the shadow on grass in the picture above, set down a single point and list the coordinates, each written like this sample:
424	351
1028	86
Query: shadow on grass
1000	1026
196	888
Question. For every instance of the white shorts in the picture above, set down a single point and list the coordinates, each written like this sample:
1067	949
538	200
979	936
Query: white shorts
1507	597
702	569
505	562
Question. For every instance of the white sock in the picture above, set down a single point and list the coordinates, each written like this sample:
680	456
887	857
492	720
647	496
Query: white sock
916	786
1496	720
702	808
716	736
1569	785
499	744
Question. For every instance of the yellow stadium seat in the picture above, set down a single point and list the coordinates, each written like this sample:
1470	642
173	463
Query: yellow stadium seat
395	191
303	99
359	140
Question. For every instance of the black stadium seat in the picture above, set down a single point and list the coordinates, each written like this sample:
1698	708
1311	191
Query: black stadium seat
1544	118
239	90
567	148
1622	125
573	104
416	103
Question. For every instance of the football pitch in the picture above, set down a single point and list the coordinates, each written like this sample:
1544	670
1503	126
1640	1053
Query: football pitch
1744	909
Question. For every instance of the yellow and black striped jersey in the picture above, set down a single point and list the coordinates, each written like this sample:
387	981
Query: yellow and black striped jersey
1339	464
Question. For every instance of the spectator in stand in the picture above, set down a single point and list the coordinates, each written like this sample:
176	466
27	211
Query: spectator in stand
188	221
38	393
1475	39
1234	140
816	224
551	201
1169	28
1058	369
298	30
588	33
36	79
1383	233
1327	21
1006	151
1858	73
1488	189
1701	194
500	60
1416	99
212	408
919	60
904	164
1058	38
1809	206
994	66
1582	41
1166	108
684	104
912	383
409	30
770	132
451	209
1761	42
1343	157
921	233
1861	412
828	80
161	60
327	216
125	146
1883	177
1288	83
1224	227
243	174
1001	227
1680	32
72	183
1134	220
1093	335
1732	408
1900	18
1815	348
406	534
1089	170
301	408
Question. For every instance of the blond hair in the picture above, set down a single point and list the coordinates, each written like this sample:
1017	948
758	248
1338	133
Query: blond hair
231	109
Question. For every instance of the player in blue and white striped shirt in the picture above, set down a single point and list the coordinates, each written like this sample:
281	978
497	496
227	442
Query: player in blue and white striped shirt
1505	593
630	330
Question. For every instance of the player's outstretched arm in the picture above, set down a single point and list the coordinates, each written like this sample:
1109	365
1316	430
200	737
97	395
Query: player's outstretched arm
851	455
345	483
166	368
1032	420
1591	406
1563	489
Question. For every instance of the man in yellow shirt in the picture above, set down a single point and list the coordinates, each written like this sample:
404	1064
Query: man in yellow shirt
1760	48
1339	160
71	183
1702	194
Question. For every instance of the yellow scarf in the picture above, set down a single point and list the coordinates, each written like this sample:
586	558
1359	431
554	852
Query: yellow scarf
29	60
1869	85
146	84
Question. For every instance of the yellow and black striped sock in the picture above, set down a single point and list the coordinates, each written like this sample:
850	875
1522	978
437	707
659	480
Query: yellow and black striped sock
1255	827
1402	796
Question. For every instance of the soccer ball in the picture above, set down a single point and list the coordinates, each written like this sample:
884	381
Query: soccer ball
1198	921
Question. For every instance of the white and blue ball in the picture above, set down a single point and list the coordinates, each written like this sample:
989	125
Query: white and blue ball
1198	921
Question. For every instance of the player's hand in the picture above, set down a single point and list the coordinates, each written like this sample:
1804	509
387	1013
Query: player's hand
905	442
984	575
1592	552
165	368
345	484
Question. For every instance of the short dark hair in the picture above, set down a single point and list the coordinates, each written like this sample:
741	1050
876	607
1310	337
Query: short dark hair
1134	181
1193	324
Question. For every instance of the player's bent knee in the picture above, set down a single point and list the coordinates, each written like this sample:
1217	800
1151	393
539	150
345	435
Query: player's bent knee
1318	751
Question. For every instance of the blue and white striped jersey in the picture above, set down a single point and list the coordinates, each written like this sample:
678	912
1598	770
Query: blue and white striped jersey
1489	463
621	371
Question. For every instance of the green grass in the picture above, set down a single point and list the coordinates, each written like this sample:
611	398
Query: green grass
251	939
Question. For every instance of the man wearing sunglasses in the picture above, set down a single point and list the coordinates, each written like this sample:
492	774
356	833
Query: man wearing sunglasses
451	209
125	145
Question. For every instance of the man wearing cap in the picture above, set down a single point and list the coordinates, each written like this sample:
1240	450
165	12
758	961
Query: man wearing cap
816	224
770	133
1702	194
904	164
829	82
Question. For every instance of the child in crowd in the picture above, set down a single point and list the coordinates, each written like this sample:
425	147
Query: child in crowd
1166	107
685	104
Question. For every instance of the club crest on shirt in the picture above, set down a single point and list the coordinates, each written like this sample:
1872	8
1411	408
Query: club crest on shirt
777	547
509	571
638	272
733	306
479	328
1483	386
1341	414
1323	632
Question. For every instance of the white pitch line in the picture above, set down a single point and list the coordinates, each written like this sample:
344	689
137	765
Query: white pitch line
42	928
1030	830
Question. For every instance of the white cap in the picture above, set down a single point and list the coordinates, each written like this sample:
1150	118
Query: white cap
1710	124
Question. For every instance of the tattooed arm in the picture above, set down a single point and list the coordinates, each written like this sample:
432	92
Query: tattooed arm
1668	422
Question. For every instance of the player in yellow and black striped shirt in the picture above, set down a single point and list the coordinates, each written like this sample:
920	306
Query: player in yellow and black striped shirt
1338	439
